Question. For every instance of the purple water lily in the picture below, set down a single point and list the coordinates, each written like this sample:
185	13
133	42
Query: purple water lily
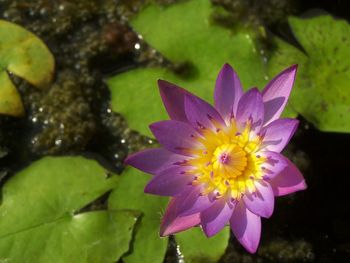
222	164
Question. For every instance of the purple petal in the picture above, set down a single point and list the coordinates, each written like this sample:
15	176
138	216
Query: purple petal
262	201
274	164
169	182
246	226
173	223
194	202
290	180
276	93
216	217
201	114
175	136
173	99
153	160
278	133
228	91
251	106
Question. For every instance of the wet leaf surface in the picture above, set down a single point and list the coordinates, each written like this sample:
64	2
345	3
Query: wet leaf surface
147	246
40	218
322	93
183	33
197	248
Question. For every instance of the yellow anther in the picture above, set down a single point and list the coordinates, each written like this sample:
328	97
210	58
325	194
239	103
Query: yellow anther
228	162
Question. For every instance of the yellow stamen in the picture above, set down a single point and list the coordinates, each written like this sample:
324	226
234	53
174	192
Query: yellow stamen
227	163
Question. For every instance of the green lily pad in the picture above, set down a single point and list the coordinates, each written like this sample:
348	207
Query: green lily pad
147	246
40	219
197	248
322	94
26	56
184	33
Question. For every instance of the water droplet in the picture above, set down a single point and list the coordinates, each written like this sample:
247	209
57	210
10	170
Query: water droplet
137	46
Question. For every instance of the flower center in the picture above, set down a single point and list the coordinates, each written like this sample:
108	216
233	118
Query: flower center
228	163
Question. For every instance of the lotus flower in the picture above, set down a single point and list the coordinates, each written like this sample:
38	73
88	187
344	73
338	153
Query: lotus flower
222	165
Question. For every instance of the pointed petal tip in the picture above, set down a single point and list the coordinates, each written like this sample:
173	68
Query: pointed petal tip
208	233
296	125
162	82
170	230
129	160
289	181
228	91
302	186
250	245
152	127
178	224
227	66
164	232
149	188
146	190
294	67
276	93
246	226
291	69
255	90
173	99
251	248
163	85
155	127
